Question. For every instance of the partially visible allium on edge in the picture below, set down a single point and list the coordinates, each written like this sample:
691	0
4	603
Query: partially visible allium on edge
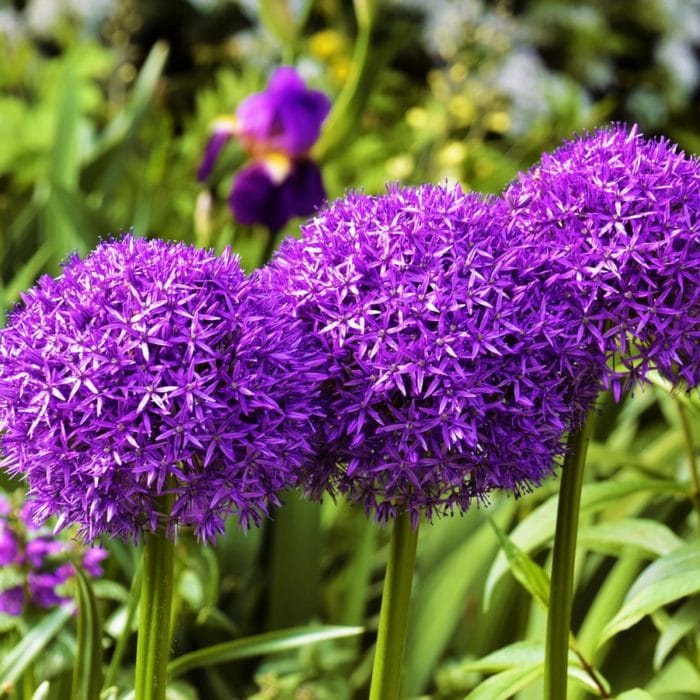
451	370
37	564
153	368
277	128
615	220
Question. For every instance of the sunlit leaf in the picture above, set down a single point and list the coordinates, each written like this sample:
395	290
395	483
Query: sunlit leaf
438	601
666	580
531	654
506	683
526	571
537	528
15	662
258	645
647	536
681	623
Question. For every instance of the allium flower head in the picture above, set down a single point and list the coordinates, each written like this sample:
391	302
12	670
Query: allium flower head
451	372
36	564
277	127
615	221
153	368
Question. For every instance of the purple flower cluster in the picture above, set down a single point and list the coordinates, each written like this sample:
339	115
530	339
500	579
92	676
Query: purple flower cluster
449	341
613	220
452	370
277	127
35	564
149	369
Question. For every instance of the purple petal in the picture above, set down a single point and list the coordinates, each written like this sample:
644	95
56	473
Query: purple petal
8	545
223	131
301	117
303	189
286	116
285	79
256	115
12	600
257	199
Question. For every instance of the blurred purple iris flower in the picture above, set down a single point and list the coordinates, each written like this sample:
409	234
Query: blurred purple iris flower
277	127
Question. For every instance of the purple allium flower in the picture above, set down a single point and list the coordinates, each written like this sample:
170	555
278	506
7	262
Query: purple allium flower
152	368
92	560
277	127
43	586
9	549
12	600
615	221
451	370
39	560
42	547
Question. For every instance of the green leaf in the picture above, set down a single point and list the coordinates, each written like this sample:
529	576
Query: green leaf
42	691
518	654
506	684
526	571
64	164
438	600
530	654
681	623
27	273
538	527
641	534
634	694
666	580
14	662
87	672
128	120
258	645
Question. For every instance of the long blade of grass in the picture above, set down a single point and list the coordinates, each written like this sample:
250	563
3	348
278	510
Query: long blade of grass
258	645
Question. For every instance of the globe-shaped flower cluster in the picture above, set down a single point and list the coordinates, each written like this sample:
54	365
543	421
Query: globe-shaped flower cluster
152	372
452	370
614	220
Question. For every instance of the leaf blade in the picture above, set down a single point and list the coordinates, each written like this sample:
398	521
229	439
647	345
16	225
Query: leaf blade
260	644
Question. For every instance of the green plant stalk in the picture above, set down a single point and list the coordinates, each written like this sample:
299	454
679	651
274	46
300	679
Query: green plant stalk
28	683
343	112
153	645
564	557
120	647
393	618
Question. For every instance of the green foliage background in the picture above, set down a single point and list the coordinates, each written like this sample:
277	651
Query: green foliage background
104	114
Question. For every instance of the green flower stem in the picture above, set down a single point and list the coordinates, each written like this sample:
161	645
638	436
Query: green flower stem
562	588
393	618
153	646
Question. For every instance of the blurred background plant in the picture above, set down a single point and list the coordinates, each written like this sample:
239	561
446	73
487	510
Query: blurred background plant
105	111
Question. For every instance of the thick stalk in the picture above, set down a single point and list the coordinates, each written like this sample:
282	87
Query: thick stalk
393	618
153	645
564	557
